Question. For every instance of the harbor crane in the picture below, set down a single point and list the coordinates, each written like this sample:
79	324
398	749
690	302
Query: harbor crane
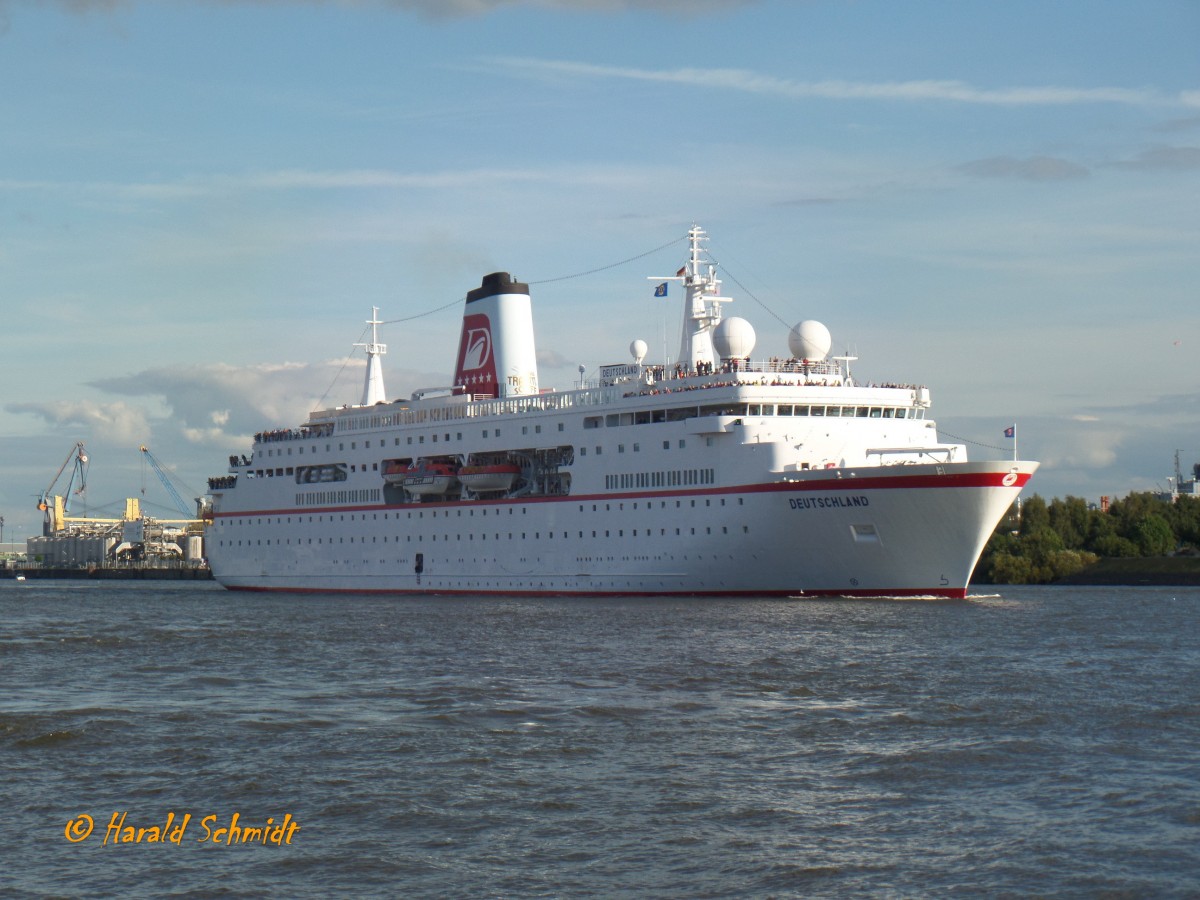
79	471
57	506
166	483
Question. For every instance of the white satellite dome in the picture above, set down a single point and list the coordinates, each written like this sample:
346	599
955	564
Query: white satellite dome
734	338
638	351
810	340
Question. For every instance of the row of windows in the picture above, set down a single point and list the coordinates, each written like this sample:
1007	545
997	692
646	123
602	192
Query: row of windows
495	536
671	478
620	506
324	498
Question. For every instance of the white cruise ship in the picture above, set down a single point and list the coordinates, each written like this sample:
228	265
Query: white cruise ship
717	474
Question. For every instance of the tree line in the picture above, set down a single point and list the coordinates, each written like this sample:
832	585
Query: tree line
1049	541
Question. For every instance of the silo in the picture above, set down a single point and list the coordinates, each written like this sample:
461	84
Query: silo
193	548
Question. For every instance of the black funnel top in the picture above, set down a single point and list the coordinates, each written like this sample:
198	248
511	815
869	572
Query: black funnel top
497	283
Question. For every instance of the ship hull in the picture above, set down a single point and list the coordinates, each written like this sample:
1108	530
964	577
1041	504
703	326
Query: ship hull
907	531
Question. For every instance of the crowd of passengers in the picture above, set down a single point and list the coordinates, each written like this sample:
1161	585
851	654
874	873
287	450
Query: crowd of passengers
648	392
294	434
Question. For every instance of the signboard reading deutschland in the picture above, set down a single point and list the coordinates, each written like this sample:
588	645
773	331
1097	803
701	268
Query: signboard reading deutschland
610	375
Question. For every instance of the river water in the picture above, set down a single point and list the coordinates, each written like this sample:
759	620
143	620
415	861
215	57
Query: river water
1038	741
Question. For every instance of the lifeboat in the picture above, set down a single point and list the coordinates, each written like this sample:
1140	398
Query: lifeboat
394	471
497	477
424	478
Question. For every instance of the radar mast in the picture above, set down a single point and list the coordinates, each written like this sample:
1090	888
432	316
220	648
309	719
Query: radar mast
702	303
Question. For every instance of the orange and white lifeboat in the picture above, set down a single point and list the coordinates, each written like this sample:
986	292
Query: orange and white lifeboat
496	477
424	478
394	471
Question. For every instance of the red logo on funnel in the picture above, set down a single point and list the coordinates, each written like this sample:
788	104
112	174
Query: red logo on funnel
476	370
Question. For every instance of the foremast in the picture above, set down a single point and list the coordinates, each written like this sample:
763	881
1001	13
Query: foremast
373	390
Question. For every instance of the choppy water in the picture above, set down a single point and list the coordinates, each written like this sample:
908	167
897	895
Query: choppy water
1042	742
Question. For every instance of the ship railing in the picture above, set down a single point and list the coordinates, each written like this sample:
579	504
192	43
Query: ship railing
893	456
303	433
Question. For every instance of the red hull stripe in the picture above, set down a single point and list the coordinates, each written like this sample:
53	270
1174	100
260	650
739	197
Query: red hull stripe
939	593
866	483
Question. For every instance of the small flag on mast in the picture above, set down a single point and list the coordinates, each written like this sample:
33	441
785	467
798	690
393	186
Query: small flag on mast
681	272
1010	431
661	290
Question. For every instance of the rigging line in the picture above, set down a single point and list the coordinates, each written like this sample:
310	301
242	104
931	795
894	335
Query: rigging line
975	443
750	294
430	312
345	362
613	265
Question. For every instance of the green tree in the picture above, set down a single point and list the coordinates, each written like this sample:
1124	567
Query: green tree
1102	528
1070	517
1154	536
1113	546
1059	538
1034	515
1184	518
1004	568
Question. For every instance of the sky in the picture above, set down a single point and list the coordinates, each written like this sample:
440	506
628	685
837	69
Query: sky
201	202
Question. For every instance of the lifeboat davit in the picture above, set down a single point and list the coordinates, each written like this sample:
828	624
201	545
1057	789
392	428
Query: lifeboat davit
497	477
424	478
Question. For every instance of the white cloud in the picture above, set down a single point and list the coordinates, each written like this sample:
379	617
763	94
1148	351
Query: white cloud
221	403
747	81
116	422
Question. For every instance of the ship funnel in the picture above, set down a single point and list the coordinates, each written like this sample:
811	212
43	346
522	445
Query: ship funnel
496	354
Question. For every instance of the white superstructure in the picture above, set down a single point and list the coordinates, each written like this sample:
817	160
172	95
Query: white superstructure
718	474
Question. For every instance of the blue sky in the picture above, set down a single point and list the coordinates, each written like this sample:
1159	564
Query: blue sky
200	202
